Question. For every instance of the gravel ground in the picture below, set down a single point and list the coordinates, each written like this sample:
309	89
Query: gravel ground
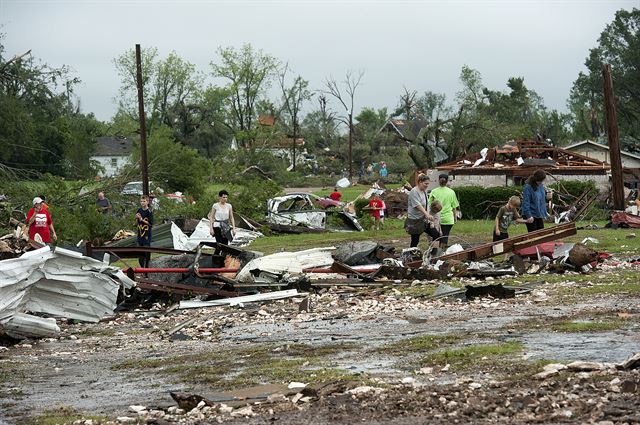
377	355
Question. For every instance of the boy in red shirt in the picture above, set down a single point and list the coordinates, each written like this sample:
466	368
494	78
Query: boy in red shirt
335	195
375	206
40	223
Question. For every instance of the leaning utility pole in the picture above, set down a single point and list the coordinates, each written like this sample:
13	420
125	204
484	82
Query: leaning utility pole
143	126
617	181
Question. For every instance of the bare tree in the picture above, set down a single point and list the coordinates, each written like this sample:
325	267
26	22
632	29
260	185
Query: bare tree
293	98
407	104
351	83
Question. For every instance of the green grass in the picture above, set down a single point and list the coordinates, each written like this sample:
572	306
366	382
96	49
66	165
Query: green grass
587	326
472	355
350	194
62	415
420	343
234	368
465	231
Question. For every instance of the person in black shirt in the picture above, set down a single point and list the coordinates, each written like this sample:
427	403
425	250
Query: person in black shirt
144	223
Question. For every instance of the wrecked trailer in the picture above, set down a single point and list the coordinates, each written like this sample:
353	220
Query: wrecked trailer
301	212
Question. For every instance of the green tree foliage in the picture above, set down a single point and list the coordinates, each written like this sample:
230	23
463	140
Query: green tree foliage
367	136
618	45
320	126
170	88
487	117
40	129
174	165
212	134
248	72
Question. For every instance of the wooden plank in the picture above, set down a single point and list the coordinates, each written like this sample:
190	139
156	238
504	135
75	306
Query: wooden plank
492	249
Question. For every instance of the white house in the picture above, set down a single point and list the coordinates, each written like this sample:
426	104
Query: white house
112	153
600	152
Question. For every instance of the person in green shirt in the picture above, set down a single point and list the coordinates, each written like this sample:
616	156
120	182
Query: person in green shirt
450	207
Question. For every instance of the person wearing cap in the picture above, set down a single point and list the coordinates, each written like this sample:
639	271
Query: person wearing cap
40	223
450	206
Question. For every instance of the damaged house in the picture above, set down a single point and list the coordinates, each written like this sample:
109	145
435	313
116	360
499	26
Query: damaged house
512	163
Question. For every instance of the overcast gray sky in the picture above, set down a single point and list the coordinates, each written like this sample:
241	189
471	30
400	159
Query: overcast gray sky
421	45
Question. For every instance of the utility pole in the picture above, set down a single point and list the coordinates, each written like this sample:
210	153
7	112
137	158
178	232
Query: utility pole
143	126
617	182
350	143
295	136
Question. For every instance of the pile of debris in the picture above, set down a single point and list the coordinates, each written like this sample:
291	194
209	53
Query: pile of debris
58	283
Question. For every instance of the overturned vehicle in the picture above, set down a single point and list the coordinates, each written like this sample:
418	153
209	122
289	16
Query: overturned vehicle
305	212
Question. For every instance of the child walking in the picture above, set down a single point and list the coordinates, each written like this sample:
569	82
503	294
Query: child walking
507	214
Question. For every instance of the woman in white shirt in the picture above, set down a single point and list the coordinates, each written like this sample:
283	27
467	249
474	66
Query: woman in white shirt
222	225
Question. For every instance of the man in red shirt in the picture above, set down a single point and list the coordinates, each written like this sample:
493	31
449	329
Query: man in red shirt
40	223
335	195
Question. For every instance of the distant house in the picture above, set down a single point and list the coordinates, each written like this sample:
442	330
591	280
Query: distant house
600	152
112	153
403	130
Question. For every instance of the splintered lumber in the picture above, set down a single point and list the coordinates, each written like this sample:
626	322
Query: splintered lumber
267	296
492	249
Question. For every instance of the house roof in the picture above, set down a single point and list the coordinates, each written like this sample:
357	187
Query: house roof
113	146
406	129
266	120
600	146
521	158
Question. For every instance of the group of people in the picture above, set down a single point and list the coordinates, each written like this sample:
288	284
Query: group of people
370	170
436	214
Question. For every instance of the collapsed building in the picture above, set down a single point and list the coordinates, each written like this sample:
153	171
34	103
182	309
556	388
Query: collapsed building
512	163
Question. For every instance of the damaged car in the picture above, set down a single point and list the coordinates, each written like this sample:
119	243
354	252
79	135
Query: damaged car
305	211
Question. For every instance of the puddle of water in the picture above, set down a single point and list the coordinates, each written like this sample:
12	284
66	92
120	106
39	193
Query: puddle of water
613	347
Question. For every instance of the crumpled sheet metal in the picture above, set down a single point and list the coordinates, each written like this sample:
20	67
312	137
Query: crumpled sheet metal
63	283
281	263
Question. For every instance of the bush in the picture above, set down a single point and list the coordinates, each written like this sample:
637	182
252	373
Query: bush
477	202
359	205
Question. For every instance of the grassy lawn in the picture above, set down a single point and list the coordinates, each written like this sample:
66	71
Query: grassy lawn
349	194
465	231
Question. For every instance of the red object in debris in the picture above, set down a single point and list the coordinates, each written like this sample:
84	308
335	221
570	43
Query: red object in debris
182	270
545	248
630	220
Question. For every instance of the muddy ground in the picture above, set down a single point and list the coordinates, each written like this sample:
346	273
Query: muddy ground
374	355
